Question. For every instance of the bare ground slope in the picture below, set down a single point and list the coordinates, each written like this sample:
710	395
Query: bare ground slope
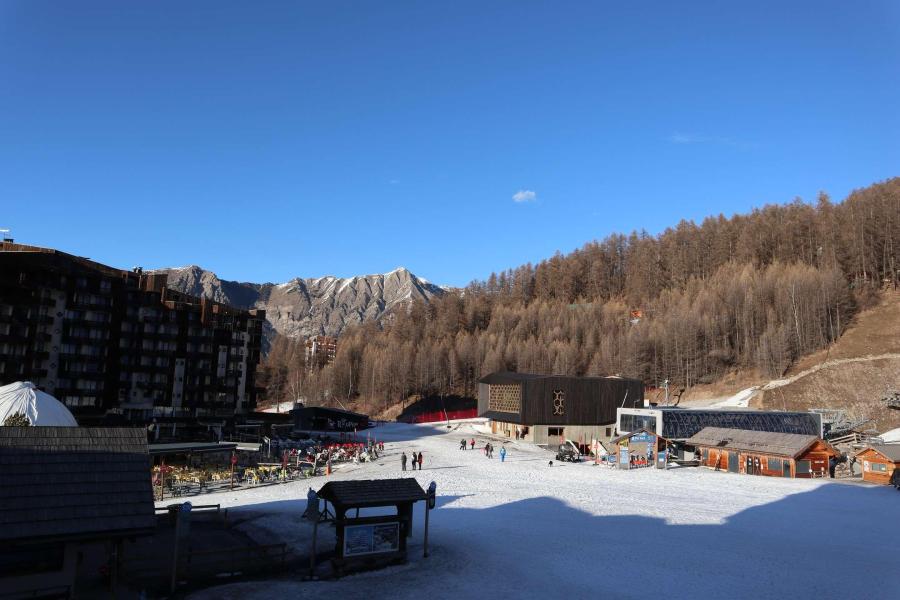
854	374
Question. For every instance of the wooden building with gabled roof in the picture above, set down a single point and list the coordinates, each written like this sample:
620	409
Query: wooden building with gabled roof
63	487
763	452
879	462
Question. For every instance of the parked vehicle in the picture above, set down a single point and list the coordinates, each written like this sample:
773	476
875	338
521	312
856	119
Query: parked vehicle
568	452
895	479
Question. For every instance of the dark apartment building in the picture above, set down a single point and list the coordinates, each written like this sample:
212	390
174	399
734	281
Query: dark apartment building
114	343
321	350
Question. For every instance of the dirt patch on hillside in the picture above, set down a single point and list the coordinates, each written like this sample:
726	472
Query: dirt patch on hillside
874	331
857	387
853	374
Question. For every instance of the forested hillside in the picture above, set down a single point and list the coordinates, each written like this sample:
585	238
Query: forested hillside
753	291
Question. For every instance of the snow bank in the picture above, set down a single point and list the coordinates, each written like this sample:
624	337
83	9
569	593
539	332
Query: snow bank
891	437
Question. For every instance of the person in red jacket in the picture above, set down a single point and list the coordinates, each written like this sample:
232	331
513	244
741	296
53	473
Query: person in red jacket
472	443
420	460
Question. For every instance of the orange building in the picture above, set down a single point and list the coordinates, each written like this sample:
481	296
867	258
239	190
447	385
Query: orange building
763	452
879	462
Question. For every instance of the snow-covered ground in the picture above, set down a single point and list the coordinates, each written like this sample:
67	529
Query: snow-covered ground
281	407
523	529
739	400
891	437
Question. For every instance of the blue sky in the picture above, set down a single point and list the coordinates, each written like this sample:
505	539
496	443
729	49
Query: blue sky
267	140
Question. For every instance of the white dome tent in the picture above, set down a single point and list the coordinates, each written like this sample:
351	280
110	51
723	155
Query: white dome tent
40	408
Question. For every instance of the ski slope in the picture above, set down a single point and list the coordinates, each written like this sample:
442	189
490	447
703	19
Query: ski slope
523	529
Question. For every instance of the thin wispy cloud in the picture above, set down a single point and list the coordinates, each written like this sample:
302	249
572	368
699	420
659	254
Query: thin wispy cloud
694	138
523	196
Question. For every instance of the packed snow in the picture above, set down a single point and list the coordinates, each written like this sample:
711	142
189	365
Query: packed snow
281	407
739	400
891	437
525	529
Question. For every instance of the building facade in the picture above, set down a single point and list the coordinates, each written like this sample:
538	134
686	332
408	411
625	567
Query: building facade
879	462
320	350
678	424
763	453
547	409
106	341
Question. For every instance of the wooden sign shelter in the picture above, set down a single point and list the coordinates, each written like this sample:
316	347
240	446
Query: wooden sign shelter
365	542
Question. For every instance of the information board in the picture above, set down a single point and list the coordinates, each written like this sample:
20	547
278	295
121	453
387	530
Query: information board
375	538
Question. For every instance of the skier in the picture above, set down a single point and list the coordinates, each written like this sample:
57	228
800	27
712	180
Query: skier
414	459
462	444
472	443
420	461
503	454
403	461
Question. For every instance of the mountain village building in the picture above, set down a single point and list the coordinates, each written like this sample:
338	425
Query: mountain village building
547	409
879	462
321	349
72	497
763	452
113	343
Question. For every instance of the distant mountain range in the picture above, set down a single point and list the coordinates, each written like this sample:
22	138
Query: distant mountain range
303	308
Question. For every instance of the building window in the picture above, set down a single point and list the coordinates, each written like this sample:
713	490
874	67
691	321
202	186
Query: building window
555	431
609	432
773	464
631	423
879	467
559	402
505	398
803	467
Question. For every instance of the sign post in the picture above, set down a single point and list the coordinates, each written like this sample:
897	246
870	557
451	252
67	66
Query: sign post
429	504
182	532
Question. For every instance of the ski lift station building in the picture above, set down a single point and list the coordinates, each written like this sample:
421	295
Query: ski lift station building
547	408
678	425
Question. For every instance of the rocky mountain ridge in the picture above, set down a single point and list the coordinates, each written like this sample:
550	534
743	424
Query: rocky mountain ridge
301	307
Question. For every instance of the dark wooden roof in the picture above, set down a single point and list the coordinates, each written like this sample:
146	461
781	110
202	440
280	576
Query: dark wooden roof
763	442
372	492
889	451
74	483
508	377
327	411
191	448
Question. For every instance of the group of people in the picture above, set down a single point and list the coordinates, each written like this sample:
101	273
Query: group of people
462	443
417	459
488	448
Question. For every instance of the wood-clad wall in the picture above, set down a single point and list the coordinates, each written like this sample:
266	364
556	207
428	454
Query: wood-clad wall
880	477
818	455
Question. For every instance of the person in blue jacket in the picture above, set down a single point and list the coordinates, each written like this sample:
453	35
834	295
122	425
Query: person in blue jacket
502	454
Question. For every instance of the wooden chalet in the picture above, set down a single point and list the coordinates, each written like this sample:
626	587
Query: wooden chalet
879	462
64	489
363	540
763	452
